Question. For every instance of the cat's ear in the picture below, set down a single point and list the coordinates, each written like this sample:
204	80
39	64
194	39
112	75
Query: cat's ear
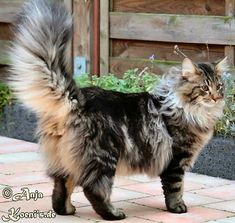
188	69
222	66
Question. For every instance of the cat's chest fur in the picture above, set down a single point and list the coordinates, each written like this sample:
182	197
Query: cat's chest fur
188	137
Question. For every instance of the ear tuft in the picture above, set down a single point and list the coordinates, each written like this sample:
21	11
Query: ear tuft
222	66
188	68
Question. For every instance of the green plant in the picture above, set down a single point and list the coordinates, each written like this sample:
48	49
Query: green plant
133	81
5	96
226	125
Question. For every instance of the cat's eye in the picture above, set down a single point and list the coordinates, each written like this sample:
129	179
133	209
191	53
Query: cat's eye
205	88
219	86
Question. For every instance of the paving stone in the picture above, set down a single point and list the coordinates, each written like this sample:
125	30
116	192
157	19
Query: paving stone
206	180
22	167
122	181
24	179
130	209
209	199
225	206
19	146
225	220
19	157
150	188
194	215
226	192
131	220
189	198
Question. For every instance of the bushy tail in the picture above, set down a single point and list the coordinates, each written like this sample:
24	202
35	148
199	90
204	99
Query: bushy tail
39	65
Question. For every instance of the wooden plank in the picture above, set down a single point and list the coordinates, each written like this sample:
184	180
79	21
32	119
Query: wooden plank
164	51
196	7
4	60
82	11
173	28
229	50
3	72
229	7
69	6
119	66
104	37
8	10
5	31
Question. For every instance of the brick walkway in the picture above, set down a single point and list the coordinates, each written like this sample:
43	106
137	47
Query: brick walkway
209	199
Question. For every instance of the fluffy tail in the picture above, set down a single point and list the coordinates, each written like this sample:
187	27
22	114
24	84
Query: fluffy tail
39	65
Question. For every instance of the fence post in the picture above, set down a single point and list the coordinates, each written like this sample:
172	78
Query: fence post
69	6
82	37
229	11
104	37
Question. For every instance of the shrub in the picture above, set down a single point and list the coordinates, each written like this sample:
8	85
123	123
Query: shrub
226	125
5	96
132	81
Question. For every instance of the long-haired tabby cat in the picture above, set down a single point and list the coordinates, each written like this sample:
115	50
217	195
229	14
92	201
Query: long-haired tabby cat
89	135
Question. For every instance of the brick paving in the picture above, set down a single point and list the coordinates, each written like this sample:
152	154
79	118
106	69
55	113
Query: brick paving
209	199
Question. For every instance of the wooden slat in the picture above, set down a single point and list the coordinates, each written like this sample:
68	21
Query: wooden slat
229	7
229	50
119	66
8	9
4	60
69	6
82	30
104	37
187	7
164	51
5	31
3	72
173	28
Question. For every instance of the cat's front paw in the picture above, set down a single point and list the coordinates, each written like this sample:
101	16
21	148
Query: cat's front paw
177	207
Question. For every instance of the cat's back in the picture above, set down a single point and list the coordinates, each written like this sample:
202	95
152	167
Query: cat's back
114	104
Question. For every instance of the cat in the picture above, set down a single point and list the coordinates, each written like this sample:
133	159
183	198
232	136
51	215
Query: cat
89	135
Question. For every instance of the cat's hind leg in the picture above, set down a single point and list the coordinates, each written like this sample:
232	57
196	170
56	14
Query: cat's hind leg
99	196
97	182
61	197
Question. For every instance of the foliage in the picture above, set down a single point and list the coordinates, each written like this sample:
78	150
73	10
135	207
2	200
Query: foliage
226	125
5	96
133	81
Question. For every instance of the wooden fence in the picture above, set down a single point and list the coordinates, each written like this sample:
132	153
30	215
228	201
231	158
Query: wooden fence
134	30
204	30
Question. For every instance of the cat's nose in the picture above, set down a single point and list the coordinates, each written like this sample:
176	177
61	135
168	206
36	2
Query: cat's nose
215	98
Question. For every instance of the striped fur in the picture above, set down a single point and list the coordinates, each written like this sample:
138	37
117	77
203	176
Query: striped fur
89	135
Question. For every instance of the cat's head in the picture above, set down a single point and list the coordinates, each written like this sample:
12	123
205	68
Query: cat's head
201	84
